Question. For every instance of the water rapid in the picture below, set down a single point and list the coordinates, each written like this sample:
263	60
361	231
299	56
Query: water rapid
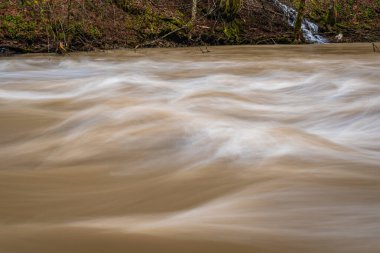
244	149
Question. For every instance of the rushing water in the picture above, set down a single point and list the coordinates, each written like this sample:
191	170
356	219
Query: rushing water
244	149
309	29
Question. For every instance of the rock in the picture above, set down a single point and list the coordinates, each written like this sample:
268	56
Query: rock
339	37
5	51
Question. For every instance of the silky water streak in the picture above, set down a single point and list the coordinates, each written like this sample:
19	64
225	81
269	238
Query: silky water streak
243	149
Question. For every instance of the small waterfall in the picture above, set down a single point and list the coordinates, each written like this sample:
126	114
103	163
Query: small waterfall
309	29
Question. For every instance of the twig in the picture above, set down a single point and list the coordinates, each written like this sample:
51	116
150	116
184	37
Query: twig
162	37
375	48
204	51
188	24
266	40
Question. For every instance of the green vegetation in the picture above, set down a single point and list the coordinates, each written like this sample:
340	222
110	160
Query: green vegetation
347	13
48	25
230	8
16	27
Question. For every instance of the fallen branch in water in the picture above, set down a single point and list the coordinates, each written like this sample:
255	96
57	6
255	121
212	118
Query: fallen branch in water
375	48
204	51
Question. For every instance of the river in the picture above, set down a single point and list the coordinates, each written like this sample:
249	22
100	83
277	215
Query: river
242	149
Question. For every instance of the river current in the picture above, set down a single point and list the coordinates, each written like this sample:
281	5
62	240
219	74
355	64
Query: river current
242	149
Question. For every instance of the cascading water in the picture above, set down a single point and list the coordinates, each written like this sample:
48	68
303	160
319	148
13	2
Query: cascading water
309	29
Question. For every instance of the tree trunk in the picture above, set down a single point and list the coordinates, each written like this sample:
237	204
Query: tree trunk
332	14
298	23
194	11
230	8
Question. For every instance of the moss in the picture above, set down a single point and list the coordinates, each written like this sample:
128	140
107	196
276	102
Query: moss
4	5
109	23
230	8
342	26
232	31
94	32
172	20
129	6
16	27
79	29
151	25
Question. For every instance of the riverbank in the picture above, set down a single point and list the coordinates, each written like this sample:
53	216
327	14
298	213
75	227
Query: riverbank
56	25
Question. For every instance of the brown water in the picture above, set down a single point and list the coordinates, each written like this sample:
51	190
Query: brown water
244	149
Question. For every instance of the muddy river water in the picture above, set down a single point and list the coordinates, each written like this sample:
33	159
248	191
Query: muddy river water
243	149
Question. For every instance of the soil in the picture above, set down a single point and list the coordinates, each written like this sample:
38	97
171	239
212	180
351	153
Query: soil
79	25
